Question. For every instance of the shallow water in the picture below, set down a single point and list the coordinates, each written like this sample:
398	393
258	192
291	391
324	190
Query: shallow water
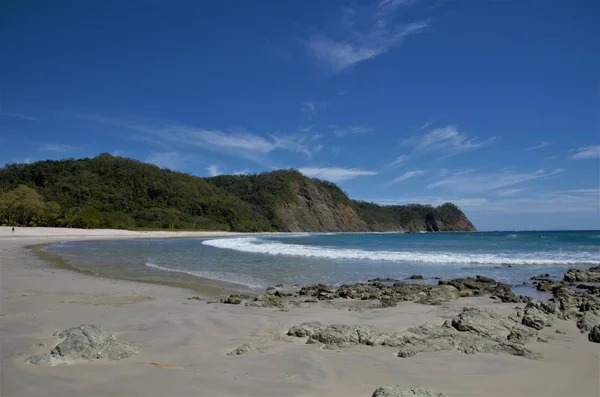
261	261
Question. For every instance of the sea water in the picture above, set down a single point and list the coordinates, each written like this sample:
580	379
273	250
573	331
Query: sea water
256	262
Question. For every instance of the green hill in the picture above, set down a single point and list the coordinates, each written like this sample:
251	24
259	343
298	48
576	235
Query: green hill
115	192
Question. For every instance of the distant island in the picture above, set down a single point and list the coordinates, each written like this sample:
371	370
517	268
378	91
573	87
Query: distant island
116	192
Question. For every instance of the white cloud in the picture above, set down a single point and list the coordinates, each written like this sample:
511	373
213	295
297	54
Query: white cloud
542	144
309	108
336	151
507	192
171	160
363	33
408	175
237	142
20	116
543	203
334	174
56	147
447	141
399	160
471	181
352	129
586	152
213	170
242	172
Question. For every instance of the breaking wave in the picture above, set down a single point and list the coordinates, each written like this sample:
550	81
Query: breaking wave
234	278
255	245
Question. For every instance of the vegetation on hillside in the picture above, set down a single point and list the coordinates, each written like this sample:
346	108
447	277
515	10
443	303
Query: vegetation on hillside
115	192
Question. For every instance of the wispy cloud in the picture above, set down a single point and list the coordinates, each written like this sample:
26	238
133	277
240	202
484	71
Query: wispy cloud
447	141
507	192
236	142
309	108
335	174
241	172
407	175
172	160
399	160
56	147
363	32
19	116
542	144
341	131
471	181
586	152
552	202
213	170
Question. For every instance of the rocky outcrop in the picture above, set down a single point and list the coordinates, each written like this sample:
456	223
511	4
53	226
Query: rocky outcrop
591	275
472	331
90	342
400	391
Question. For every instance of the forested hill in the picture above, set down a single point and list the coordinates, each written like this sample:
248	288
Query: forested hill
115	192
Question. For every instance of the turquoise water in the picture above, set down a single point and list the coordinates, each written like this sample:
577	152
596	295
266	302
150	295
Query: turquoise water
261	261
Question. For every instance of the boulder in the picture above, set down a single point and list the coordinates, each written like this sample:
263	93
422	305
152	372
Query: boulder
269	301
91	342
416	277
483	323
594	335
232	300
400	391
535	318
588	320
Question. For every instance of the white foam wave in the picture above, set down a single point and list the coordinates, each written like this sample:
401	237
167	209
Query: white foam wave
255	245
234	278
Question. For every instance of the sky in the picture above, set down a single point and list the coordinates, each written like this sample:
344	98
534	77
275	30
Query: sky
491	104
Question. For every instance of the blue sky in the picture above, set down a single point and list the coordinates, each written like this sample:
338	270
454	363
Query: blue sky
493	105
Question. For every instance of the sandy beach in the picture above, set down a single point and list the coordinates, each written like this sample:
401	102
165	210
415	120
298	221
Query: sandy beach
184	343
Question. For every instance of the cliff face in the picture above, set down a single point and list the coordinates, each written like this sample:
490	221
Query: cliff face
321	207
314	210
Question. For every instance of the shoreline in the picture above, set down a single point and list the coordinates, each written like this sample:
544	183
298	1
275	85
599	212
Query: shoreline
184	343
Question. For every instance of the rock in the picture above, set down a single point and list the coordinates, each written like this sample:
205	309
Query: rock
383	280
388	302
542	339
594	335
305	329
442	293
269	301
588	320
400	391
484	323
560	331
231	301
521	334
547	285
535	318
592	275
481	285
243	349
473	331
541	277
283	290
196	298
40	359
416	277
92	342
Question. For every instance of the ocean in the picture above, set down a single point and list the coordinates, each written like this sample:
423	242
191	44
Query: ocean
257	262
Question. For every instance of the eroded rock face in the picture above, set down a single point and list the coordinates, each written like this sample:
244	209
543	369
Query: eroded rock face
400	391
90	342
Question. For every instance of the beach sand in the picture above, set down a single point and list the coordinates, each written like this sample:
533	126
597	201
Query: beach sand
184	342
